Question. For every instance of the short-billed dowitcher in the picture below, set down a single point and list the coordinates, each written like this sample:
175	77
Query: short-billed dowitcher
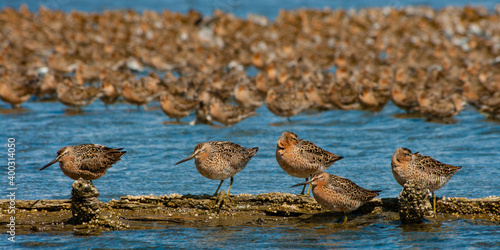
414	166
226	113
404	96
48	86
438	107
344	94
286	102
16	88
247	95
301	158
489	105
316	93
75	95
176	106
373	96
142	91
110	93
338	194
86	161
219	160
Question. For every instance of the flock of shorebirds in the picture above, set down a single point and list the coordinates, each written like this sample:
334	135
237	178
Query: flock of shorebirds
221	160
426	61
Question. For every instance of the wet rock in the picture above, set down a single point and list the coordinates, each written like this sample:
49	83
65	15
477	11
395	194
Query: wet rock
84	202
413	203
86	211
274	209
489	206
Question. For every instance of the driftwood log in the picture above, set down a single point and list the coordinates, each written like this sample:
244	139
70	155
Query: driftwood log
149	212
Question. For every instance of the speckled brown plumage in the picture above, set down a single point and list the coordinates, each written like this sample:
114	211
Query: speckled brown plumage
16	89
75	95
440	107
414	166
176	106
220	160
142	91
301	158
339	194
86	161
227	113
286	103
247	95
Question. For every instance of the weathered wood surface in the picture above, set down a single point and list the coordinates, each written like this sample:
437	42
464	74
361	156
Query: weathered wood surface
145	212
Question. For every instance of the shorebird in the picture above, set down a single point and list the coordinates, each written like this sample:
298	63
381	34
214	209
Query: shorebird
142	91
338	194
202	114
111	84
404	96
227	113
344	94
316	93
247	95
16	89
440	108
414	166
86	161
175	106
286	103
75	95
47	86
301	158
373	96
219	160
110	93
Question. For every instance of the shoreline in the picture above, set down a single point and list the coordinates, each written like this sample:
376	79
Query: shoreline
268	210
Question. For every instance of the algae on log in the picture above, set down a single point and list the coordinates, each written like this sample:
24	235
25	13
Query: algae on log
271	209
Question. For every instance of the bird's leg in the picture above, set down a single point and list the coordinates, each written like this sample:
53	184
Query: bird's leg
218	187
434	204
345	218
304	188
309	190
230	184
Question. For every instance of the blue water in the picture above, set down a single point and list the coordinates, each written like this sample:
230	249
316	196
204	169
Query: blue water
366	140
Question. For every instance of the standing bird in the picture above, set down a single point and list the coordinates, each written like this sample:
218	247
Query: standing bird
74	95
339	194
16	88
226	113
219	160
176	106
414	166
286	103
142	91
301	158
86	161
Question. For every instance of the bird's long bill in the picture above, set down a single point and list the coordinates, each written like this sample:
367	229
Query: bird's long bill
303	183
187	159
50	163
